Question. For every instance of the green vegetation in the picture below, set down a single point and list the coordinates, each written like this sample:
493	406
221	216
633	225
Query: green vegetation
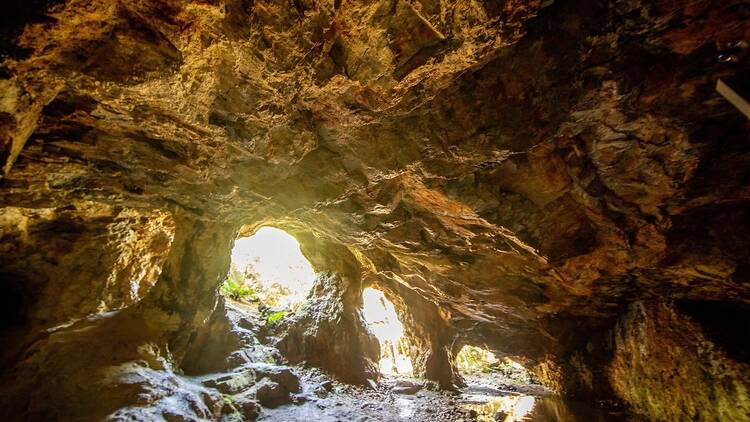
236	288
248	286
229	401
474	360
275	317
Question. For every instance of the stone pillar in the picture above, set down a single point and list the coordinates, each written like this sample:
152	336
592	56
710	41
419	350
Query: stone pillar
185	297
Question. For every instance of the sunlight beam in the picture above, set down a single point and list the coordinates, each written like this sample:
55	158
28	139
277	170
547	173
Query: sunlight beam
382	321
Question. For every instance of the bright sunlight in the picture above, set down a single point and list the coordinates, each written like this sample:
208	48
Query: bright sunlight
269	266
381	319
475	360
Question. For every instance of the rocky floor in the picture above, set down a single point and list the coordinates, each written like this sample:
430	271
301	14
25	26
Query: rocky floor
262	387
406	400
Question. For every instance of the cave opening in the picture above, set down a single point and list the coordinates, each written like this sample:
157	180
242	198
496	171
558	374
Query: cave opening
497	389
474	361
383	322
268	269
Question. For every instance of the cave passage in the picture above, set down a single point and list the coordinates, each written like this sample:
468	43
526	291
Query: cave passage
489	380
382	320
478	361
386	210
268	267
473	360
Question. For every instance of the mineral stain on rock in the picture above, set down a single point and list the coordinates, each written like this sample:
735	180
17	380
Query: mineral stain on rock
558	183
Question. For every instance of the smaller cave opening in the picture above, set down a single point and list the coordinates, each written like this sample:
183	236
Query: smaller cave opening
497	389
473	361
268	271
382	321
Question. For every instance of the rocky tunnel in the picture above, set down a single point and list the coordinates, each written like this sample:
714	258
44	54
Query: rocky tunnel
556	183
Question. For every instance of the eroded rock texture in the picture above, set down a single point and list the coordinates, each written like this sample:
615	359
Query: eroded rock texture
515	174
661	352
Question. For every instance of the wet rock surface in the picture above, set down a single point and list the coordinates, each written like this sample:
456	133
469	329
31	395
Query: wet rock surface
282	392
406	387
481	400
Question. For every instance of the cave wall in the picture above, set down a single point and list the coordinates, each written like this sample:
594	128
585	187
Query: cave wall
63	264
668	366
84	259
667	360
134	373
184	300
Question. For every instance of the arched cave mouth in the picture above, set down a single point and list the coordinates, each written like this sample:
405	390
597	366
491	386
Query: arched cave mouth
383	322
268	269
499	388
479	362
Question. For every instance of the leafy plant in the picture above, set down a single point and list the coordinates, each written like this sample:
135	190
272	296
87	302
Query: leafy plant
275	317
235	288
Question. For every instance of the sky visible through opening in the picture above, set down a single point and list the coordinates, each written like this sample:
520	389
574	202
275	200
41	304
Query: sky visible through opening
275	256
382	321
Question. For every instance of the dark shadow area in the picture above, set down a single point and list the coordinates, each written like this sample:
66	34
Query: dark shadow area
16	14
724	323
15	301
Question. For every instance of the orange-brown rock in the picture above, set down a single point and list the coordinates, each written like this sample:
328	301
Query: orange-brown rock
554	180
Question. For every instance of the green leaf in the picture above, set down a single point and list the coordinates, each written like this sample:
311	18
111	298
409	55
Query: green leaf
275	317
235	288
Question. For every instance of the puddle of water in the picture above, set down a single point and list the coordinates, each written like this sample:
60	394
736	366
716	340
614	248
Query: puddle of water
515	408
520	408
406	408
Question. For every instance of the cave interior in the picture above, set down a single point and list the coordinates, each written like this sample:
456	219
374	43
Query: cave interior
557	186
